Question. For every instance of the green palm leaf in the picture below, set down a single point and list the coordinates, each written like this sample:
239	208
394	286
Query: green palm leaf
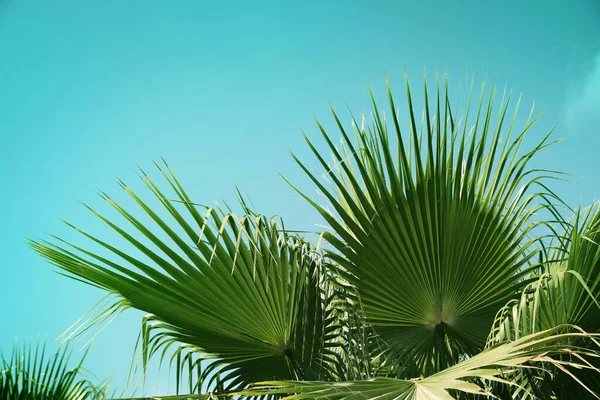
434	236
239	291
532	352
567	292
30	374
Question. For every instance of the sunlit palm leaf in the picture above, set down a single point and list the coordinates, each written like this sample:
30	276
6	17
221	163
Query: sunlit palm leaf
238	289
30	374
491	366
434	235
568	292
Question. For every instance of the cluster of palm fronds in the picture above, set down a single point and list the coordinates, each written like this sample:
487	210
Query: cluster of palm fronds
29	374
448	271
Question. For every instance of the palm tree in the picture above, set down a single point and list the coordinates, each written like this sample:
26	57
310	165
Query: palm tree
439	278
28	374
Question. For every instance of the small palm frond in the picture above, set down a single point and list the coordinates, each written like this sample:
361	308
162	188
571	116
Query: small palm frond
30	374
237	291
568	292
471	376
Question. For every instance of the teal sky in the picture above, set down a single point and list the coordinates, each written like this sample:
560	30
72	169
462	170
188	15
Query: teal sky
221	90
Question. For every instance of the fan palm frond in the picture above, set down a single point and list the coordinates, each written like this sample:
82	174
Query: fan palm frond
434	236
470	376
239	291
567	292
31	374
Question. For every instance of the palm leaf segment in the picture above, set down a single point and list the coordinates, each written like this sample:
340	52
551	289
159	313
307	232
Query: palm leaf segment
239	290
567	292
473	376
434	236
29	374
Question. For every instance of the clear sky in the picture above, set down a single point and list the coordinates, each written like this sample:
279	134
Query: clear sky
221	90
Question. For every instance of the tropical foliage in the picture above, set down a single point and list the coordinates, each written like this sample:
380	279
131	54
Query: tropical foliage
30	374
446	271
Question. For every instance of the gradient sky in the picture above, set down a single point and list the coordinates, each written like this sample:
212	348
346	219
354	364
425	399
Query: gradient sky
221	90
